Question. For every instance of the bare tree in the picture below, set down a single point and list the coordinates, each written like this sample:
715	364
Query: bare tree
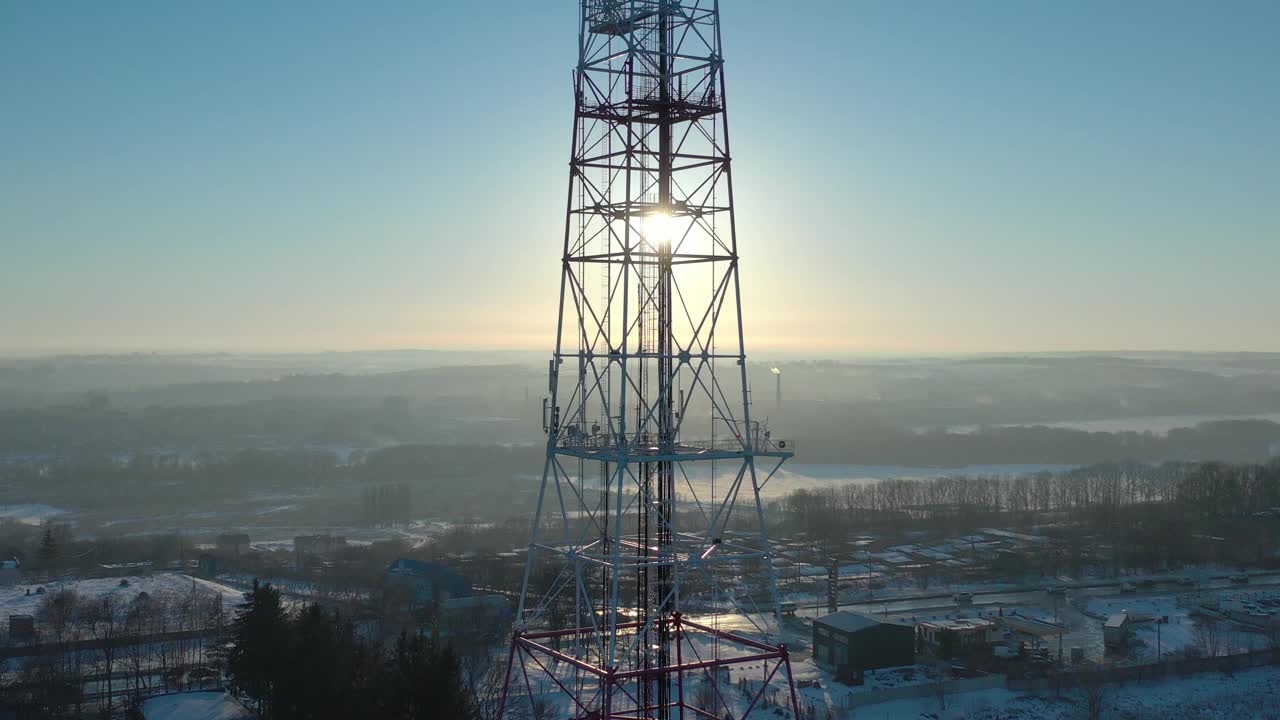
485	676
105	619
1094	689
541	707
40	689
1207	636
165	648
59	612
138	632
938	686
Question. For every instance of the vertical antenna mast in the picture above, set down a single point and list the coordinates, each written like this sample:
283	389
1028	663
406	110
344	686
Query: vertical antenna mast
625	581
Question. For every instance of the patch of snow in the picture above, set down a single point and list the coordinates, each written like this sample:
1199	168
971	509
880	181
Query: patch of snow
167	586
1207	696
194	706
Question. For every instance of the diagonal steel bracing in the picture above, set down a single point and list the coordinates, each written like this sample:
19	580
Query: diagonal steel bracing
650	508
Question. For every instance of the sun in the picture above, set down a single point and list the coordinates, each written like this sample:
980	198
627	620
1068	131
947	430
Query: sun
659	229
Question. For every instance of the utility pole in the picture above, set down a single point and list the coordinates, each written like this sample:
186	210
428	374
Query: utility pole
833	585
777	376
1057	620
1159	652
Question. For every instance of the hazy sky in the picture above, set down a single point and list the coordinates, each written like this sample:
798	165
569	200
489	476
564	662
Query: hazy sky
911	175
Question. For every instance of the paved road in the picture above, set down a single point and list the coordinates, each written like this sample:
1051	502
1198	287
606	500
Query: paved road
1029	594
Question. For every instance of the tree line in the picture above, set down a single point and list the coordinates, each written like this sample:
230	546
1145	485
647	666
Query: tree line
314	664
1173	512
1202	489
459	480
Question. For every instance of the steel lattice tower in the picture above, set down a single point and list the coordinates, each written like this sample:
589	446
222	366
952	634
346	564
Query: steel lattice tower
650	533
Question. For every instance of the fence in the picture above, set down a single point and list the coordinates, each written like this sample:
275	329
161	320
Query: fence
1138	674
907	692
1150	673
89	644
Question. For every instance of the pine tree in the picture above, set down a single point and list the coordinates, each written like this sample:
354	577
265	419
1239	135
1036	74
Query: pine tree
259	653
311	684
313	666
427	682
48	552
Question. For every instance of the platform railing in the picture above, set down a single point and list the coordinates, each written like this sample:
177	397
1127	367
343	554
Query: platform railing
574	438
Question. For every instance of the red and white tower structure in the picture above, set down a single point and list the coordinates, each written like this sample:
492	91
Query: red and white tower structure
649	590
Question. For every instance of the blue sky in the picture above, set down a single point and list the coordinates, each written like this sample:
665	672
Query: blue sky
911	176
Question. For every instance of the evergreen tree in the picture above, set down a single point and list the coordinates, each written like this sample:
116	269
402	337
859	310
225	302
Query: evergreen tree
48	552
314	667
313	683
427	682
259	654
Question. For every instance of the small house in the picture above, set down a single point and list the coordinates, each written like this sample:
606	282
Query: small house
10	572
207	565
1115	631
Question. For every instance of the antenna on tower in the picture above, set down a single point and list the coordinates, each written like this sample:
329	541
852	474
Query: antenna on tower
624	582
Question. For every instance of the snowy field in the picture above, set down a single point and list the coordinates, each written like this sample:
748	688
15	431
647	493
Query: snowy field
1174	637
168	586
194	706
1254	694
1251	694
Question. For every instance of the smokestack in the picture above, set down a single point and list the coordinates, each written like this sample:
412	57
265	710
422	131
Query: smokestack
777	375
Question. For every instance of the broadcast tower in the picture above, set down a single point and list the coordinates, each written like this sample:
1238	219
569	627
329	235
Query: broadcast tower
648	589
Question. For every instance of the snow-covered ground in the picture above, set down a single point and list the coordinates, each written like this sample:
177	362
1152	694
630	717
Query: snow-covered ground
194	706
831	692
167	586
1208	696
1175	636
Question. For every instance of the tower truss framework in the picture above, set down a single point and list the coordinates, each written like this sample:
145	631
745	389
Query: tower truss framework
649	575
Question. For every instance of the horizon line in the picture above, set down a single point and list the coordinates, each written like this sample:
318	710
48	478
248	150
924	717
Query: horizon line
814	354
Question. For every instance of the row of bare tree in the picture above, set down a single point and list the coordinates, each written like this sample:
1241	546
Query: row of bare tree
1202	488
95	649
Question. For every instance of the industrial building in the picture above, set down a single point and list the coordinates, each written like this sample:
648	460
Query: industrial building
309	549
848	644
419	584
955	638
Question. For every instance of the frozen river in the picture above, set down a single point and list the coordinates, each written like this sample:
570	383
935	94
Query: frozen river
1154	424
791	477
